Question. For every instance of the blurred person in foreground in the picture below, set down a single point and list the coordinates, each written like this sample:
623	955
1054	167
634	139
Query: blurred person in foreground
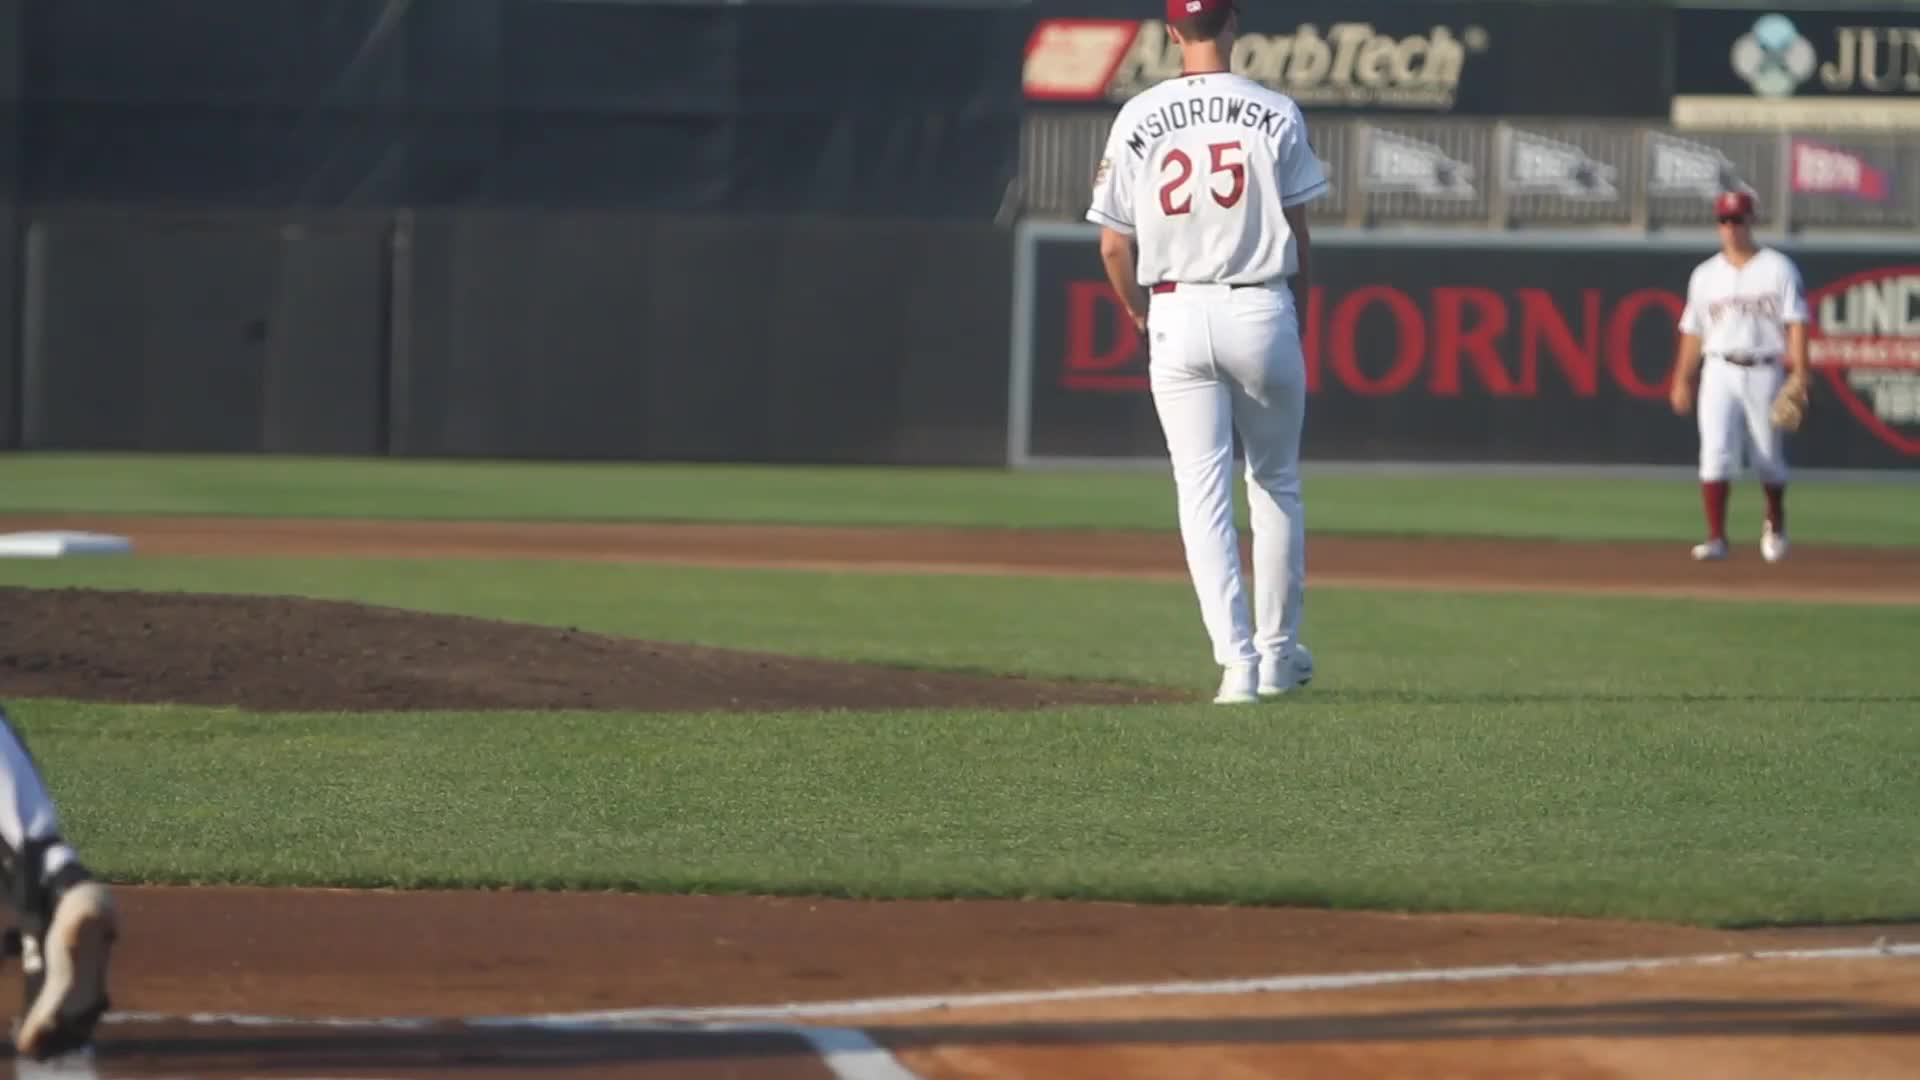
67	923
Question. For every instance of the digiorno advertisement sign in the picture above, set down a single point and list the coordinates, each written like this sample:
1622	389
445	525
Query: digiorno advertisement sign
1464	58
1493	351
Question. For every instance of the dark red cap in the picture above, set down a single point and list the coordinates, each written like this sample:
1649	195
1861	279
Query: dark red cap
1733	202
1187	9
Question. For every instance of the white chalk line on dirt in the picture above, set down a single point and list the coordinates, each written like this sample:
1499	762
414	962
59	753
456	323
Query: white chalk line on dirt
848	1053
75	1066
1281	984
741	1018
852	1054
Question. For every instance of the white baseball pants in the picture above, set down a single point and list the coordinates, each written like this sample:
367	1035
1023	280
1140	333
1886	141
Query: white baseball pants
1734	411
26	810
1224	361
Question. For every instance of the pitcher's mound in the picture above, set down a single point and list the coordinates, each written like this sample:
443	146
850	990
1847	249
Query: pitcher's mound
285	653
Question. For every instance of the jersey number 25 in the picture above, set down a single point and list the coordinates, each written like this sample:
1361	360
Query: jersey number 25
1182	166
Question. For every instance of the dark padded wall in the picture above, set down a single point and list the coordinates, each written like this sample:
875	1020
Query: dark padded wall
191	334
326	380
777	339
10	41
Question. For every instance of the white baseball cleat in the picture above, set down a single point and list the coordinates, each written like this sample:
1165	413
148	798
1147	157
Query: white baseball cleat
1239	685
1711	551
1281	674
1773	545
66	973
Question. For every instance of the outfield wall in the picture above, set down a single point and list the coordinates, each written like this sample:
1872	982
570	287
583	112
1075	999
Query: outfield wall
779	339
10	81
621	337
190	333
523	335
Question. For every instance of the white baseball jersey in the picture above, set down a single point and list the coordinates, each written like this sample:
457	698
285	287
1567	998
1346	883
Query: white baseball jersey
1743	310
1197	169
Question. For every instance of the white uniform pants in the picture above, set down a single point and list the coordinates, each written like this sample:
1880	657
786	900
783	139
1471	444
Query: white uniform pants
26	810
1224	361
1734	410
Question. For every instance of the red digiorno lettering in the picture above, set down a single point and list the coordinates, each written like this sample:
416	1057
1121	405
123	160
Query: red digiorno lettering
1439	342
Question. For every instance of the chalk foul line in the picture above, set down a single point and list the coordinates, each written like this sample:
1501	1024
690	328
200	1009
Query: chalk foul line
851	1054
767	1018
887	1006
847	1053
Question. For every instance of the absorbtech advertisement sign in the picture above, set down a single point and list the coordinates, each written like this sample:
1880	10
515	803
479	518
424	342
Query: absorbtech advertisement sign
1461	58
1467	350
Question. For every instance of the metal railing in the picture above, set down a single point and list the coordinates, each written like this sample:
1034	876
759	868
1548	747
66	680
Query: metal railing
1517	173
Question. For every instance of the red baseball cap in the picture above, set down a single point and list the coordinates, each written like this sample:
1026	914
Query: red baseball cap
1187	9
1731	203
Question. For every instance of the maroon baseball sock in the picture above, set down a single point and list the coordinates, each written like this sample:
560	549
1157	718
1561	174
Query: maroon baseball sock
1713	495
1777	506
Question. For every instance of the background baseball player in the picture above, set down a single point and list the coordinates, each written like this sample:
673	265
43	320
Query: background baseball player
1201	197
1746	314
67	922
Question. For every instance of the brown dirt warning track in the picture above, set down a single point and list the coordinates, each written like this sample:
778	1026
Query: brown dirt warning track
309	983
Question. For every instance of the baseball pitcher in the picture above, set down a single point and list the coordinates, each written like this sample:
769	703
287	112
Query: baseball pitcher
1746	317
1201	197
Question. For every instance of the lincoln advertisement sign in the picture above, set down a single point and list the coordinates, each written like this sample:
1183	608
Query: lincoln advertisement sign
1475	352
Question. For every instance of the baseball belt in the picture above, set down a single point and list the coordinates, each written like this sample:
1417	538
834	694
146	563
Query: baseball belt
1169	286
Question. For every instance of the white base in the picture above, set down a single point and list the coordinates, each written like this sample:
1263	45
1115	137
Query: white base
55	545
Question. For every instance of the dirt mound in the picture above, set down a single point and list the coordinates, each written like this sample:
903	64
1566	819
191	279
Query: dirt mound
285	653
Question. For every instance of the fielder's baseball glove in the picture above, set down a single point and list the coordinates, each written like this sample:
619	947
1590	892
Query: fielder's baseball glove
1790	407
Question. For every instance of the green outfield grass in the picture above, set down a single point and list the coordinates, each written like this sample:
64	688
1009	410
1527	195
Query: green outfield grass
1717	763
1569	507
